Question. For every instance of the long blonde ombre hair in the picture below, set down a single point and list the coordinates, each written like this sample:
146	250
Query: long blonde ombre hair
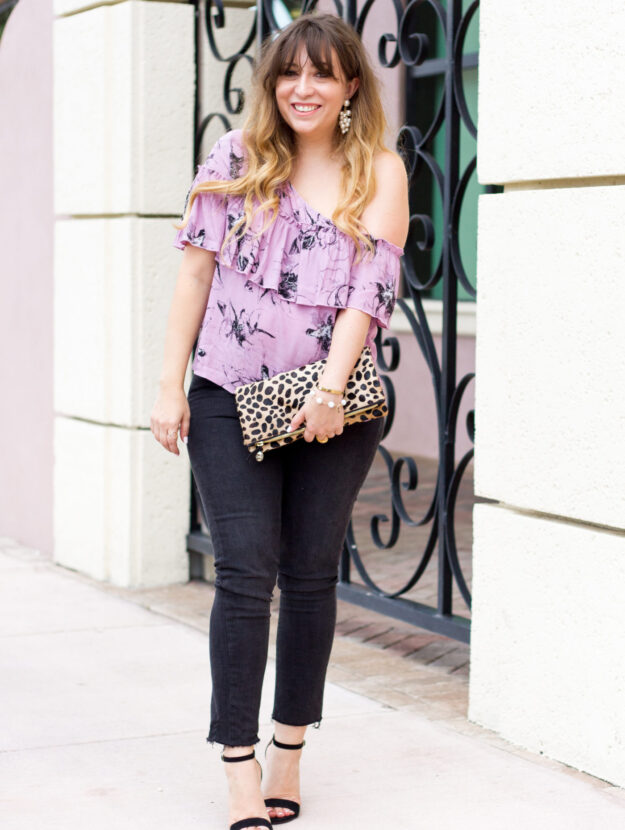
270	142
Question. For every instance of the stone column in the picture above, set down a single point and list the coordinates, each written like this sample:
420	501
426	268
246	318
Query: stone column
547	655
123	138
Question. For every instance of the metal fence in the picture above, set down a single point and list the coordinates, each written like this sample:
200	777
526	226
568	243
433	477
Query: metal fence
6	8
407	42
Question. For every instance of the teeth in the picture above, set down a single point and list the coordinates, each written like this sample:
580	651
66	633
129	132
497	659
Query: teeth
308	108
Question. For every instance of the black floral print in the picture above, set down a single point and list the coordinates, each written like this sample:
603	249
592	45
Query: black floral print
197	238
339	296
287	287
217	276
237	378
323	332
241	326
246	249
236	163
385	296
312	233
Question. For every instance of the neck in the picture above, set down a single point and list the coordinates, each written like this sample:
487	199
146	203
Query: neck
314	150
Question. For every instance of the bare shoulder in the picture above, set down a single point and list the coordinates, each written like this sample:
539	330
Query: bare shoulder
389	163
387	216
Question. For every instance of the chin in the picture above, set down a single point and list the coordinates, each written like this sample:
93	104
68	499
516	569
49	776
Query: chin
310	129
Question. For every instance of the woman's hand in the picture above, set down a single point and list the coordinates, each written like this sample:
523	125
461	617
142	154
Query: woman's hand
320	420
170	412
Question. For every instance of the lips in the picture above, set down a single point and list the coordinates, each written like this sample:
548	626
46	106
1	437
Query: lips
315	107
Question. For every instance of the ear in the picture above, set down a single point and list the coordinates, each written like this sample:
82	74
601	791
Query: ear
352	86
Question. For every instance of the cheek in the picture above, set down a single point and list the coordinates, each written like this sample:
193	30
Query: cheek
283	107
282	97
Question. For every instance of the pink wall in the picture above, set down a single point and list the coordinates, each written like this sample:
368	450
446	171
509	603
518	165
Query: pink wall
415	429
26	234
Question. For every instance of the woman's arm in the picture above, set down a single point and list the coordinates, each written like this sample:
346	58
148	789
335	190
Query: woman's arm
187	309
388	214
348	338
188	305
387	217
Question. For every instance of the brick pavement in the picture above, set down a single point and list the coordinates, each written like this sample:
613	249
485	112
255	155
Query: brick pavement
404	665
392	568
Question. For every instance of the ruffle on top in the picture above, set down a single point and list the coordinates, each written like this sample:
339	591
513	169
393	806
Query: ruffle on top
303	255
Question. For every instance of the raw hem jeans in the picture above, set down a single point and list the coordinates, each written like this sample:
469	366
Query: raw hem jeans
284	518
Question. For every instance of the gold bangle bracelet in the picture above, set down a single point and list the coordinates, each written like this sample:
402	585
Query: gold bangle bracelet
329	391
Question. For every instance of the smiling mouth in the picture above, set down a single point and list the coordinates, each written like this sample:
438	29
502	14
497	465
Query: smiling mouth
304	108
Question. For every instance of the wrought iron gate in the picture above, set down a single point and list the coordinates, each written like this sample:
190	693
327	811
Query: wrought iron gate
416	26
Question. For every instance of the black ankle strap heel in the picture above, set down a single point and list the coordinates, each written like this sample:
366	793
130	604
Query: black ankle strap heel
285	746
233	758
283	802
247	822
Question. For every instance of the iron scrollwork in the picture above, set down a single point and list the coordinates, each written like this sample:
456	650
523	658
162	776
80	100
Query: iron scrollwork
412	48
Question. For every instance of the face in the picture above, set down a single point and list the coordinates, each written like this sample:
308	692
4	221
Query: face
310	100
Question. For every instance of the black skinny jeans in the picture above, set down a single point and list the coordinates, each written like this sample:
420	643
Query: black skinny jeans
283	518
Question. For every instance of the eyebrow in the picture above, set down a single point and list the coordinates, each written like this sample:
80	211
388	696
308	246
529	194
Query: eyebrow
294	65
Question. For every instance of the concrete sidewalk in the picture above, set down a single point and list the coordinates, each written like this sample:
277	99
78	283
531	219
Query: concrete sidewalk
104	712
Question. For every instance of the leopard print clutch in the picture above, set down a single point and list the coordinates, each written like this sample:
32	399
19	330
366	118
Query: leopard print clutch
266	407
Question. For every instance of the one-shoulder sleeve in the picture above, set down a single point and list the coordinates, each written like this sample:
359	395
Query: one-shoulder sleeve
206	227
374	282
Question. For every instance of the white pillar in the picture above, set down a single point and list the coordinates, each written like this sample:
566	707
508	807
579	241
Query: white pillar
547	655
123	135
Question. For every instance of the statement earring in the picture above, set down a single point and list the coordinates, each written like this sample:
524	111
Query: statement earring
345	117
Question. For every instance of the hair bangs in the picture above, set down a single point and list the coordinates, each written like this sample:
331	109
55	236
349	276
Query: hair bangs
317	46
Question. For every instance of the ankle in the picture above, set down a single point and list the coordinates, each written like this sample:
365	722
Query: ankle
237	751
289	734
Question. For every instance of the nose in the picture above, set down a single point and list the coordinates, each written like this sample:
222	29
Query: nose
303	86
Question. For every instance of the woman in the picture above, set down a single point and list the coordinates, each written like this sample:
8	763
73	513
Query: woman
273	283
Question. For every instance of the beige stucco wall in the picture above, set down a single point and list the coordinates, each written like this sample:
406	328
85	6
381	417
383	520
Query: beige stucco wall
547	662
123	126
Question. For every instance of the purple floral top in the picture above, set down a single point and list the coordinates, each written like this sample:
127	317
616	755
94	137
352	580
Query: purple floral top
274	299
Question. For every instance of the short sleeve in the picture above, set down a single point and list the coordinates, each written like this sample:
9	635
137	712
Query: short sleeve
374	282
206	227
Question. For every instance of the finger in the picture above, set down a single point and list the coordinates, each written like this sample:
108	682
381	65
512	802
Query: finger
162	437
169	438
298	420
172	439
309	435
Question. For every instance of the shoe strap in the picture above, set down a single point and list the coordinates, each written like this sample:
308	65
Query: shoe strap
251	822
283	802
234	758
287	746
